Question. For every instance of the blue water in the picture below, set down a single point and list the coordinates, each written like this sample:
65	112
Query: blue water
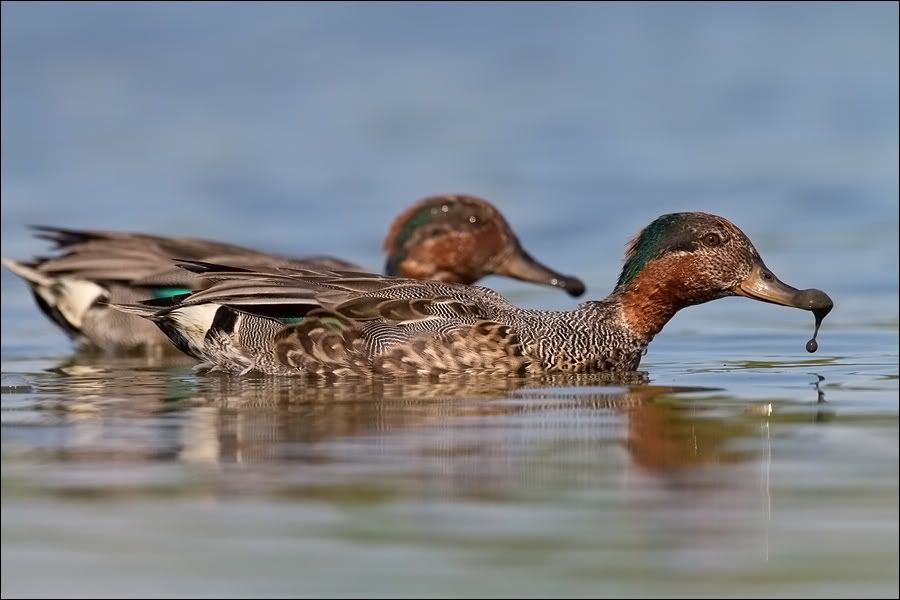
744	467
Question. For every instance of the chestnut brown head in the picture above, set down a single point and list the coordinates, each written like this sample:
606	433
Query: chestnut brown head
682	259
461	238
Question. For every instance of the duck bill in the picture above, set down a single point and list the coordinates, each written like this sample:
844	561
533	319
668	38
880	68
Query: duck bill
521	265
764	286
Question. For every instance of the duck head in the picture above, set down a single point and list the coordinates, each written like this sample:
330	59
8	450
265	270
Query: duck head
683	259
461	238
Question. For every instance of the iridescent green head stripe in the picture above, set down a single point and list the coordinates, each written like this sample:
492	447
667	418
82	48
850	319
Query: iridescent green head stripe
420	218
433	216
396	244
668	233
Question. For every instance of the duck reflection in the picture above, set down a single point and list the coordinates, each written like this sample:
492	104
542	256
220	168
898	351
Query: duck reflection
684	470
483	436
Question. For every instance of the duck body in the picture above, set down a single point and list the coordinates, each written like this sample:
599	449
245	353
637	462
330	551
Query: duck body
287	321
339	323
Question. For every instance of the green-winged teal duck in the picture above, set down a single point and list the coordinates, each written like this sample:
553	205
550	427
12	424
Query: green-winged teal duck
293	321
451	238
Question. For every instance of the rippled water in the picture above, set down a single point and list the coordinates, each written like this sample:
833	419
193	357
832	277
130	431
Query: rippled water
736	465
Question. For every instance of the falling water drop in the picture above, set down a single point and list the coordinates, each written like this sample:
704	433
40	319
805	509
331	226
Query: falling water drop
820	304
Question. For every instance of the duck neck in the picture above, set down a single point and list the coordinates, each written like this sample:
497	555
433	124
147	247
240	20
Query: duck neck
650	299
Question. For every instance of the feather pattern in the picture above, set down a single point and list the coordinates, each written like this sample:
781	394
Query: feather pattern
363	324
284	320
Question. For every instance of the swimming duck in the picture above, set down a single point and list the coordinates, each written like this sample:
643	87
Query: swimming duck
287	321
451	238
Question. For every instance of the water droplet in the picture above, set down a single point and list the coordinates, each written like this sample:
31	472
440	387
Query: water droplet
812	345
820	304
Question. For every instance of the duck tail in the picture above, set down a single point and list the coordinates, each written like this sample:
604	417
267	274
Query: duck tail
141	310
27	272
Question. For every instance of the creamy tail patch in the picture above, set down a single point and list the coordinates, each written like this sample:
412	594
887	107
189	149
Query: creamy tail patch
74	297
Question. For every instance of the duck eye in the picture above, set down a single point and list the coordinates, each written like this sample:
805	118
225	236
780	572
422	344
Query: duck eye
712	239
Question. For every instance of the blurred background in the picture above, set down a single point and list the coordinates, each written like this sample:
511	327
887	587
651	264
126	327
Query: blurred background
305	128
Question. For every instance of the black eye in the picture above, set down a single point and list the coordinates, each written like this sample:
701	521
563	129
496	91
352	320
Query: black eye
712	239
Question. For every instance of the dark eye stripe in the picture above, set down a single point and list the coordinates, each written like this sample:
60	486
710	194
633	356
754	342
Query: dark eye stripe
683	246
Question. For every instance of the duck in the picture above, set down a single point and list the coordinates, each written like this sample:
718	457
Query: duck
335	323
453	238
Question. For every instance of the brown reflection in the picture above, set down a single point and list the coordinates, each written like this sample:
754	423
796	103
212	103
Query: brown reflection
476	435
663	436
268	419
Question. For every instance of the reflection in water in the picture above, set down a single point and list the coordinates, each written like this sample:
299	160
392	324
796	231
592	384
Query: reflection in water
592	470
819	392
482	436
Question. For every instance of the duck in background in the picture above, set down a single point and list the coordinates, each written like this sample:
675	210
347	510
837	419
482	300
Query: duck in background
452	238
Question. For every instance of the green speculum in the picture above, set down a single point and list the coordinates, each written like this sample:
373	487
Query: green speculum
168	292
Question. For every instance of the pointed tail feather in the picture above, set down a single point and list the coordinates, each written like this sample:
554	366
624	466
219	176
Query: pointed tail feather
58	235
141	310
201	267
26	272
